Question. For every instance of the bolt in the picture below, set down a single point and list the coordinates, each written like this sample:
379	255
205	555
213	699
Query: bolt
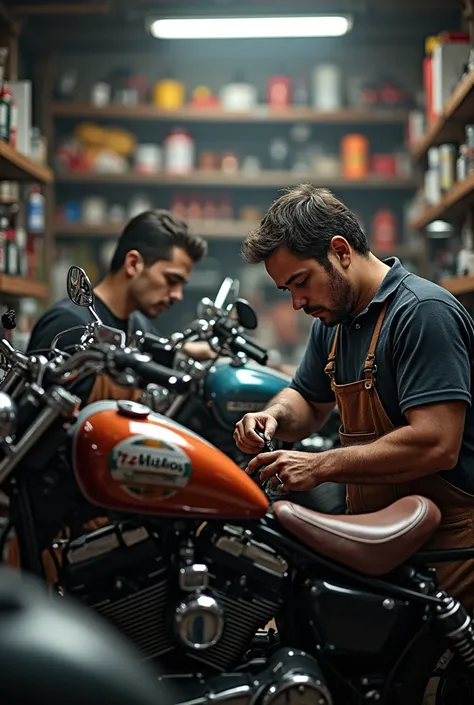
388	603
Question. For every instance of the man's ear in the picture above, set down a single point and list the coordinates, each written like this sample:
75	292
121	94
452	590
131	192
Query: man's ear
133	263
341	248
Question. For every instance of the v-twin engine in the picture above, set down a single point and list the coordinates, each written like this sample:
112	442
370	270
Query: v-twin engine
191	607
195	608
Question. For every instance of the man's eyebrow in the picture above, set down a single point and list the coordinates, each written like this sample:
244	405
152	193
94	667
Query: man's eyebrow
292	279
176	275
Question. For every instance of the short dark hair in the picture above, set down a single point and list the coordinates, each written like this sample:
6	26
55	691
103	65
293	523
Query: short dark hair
154	234
304	219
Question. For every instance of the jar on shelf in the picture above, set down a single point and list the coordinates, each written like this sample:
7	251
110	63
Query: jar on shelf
179	149
355	156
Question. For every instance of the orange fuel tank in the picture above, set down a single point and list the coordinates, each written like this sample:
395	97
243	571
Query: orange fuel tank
129	459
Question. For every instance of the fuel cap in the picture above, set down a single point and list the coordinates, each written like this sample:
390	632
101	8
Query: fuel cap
133	409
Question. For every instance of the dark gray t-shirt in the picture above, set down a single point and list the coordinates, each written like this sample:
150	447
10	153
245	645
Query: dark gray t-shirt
423	355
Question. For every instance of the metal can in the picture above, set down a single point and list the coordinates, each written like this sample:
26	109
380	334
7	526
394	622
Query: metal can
447	168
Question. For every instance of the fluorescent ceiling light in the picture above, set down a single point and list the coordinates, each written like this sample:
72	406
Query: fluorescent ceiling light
250	27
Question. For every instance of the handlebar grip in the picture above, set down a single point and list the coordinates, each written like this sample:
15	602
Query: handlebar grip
158	348
240	344
152	372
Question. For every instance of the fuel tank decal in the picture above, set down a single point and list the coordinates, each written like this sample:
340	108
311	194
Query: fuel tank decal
146	467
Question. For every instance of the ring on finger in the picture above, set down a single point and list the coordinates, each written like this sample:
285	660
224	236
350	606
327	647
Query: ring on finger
280	481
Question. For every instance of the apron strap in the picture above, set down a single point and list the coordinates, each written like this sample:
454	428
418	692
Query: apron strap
330	368
369	366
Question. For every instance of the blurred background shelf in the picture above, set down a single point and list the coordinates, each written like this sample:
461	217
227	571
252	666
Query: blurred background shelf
261	114
458	111
15	166
459	285
455	203
19	286
265	178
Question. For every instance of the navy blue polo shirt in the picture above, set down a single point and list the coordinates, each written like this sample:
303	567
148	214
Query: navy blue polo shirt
423	355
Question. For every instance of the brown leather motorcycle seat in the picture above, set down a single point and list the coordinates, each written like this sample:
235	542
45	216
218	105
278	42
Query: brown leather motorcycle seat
373	543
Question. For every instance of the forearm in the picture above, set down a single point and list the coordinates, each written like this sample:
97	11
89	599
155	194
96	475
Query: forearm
399	456
296	418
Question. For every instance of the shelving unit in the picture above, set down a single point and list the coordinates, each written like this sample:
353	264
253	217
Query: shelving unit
456	201
228	229
459	200
263	179
19	286
449	126
209	229
14	166
260	114
459	286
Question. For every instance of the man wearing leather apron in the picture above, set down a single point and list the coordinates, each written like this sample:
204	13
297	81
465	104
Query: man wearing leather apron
393	351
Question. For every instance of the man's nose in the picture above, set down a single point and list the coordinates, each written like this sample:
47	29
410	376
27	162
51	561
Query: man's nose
176	294
299	303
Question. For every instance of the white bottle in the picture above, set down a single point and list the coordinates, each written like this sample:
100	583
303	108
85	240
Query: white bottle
179	152
327	87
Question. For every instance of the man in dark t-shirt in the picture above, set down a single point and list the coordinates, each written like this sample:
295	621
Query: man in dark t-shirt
394	352
152	262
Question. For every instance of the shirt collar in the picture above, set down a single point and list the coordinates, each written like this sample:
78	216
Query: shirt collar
389	285
392	280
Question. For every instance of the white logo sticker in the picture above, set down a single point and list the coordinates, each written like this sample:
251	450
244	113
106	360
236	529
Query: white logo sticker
148	467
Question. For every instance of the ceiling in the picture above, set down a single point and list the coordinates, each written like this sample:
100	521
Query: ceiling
121	23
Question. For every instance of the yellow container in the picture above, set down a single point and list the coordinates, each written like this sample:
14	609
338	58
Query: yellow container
169	94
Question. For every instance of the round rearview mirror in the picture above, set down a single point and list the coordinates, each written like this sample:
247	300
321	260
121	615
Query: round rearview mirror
79	287
245	314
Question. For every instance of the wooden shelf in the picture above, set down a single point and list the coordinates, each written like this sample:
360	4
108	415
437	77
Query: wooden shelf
459	286
19	286
452	205
209	229
269	179
458	111
14	166
229	229
260	114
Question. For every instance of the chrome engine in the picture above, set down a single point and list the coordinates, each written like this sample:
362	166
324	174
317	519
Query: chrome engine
193	603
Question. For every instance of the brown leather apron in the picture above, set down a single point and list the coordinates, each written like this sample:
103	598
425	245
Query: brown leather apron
363	420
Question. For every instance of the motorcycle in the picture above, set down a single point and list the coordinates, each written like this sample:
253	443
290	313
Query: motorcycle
194	559
237	382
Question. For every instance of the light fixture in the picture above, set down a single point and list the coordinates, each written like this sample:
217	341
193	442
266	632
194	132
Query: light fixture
251	27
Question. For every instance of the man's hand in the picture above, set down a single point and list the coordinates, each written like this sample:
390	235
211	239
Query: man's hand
246	438
199	350
297	471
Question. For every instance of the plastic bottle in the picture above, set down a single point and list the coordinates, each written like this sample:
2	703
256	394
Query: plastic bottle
35	211
179	152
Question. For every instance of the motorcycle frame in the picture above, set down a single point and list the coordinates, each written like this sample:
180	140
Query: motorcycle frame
269	531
